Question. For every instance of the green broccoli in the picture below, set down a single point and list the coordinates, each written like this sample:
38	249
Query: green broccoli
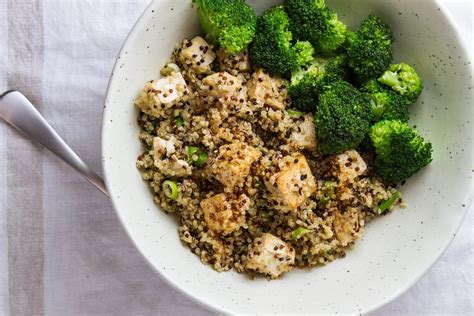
230	24
370	49
400	150
307	82
342	118
311	20
272	48
304	53
386	104
404	80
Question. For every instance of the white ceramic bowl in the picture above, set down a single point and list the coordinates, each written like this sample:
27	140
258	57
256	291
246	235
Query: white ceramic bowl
396	249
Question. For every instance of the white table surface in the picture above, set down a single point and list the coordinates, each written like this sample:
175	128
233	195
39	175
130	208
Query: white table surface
62	249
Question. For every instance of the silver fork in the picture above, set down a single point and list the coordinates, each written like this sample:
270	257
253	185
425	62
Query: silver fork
18	111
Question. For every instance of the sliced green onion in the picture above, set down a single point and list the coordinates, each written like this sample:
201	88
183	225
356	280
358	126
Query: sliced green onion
324	199
202	158
179	121
192	151
153	123
295	113
171	189
330	185
300	231
387	204
196	156
329	188
264	215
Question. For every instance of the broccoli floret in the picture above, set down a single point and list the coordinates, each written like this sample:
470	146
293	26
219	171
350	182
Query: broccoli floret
389	106
370	49
230	24
386	104
306	85
307	82
272	48
404	80
311	20
304	53
400	150
342	118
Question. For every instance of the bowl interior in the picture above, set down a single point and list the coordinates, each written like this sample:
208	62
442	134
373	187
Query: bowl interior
395	250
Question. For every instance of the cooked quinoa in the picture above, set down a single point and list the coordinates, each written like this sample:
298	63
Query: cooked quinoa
243	174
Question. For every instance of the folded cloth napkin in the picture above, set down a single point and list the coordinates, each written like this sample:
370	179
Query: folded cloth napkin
63	251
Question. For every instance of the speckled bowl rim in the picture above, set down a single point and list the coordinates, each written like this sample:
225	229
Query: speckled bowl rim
135	29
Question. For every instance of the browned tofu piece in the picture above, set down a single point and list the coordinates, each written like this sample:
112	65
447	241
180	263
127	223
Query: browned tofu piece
293	184
160	95
267	90
165	159
197	55
227	88
233	63
305	135
347	225
163	147
270	255
225	213
233	163
350	165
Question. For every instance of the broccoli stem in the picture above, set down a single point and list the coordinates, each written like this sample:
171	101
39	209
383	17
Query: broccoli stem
389	78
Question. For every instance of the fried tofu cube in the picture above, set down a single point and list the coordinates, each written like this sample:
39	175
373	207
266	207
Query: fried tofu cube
160	95
305	135
347	226
270	255
350	165
227	88
267	90
293	184
234	63
166	161
197	55
233	163
225	213
162	147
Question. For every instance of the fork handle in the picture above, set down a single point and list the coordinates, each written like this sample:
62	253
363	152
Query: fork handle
18	111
